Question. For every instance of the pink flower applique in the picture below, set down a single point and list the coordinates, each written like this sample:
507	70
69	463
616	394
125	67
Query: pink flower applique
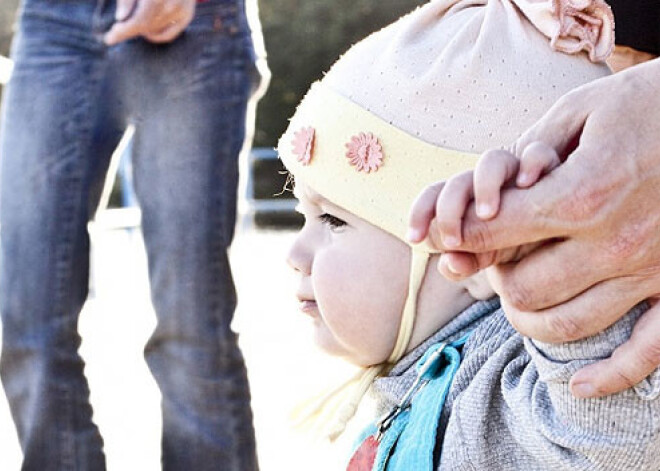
303	144
365	152
584	25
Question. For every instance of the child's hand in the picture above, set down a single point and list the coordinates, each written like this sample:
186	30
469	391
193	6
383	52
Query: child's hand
439	210
497	169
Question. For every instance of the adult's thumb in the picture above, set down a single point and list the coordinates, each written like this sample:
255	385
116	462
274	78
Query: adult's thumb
629	364
120	32
559	128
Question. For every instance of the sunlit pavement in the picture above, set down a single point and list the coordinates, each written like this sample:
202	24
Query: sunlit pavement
283	365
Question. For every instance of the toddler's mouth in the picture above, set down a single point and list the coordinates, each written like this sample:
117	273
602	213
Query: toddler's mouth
308	306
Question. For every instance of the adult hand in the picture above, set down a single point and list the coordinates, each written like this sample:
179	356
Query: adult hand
595	220
158	21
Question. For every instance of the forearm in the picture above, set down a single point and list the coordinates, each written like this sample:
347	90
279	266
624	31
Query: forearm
511	408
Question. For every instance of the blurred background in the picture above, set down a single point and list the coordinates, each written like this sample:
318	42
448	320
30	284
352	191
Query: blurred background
303	38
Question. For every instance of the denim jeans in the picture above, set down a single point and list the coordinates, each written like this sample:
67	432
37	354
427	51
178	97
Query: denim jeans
64	111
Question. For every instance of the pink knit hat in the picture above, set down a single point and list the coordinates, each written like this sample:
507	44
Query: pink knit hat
453	75
473	74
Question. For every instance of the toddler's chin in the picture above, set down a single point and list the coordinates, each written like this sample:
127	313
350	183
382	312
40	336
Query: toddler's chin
325	341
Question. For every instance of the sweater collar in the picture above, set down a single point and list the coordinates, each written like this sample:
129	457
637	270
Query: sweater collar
390	388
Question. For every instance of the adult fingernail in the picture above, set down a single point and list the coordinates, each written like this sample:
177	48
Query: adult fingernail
584	390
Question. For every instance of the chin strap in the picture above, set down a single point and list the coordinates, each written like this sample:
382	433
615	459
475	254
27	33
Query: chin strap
418	264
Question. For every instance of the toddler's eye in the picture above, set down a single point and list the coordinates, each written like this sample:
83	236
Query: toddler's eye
333	221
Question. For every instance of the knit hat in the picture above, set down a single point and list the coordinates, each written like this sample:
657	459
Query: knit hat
418	101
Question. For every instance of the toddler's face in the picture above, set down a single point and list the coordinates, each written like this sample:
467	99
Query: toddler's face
353	280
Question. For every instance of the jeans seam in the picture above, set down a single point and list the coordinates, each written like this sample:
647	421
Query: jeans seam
72	202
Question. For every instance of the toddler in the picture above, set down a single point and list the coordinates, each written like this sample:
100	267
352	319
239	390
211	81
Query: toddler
407	107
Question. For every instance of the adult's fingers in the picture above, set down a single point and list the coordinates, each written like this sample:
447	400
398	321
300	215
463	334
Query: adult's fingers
422	212
587	314
122	32
533	212
495	168
166	35
169	33
561	125
152	18
629	364
125	9
538	213
143	17
540	280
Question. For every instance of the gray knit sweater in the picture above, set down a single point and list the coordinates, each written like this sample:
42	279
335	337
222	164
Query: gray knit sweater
510	407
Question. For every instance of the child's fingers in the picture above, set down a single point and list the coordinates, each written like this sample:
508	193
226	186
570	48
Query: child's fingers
537	159
494	169
450	207
422	212
457	266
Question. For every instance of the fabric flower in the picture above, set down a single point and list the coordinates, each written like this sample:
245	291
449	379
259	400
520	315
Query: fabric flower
365	152
584	25
303	144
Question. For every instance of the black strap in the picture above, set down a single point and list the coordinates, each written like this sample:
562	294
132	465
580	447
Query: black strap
637	24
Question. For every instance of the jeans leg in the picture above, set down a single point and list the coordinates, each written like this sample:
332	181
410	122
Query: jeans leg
48	175
189	130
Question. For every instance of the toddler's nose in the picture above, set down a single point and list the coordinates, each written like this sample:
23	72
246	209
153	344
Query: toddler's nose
298	257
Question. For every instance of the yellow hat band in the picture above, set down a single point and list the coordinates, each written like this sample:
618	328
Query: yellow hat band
342	141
